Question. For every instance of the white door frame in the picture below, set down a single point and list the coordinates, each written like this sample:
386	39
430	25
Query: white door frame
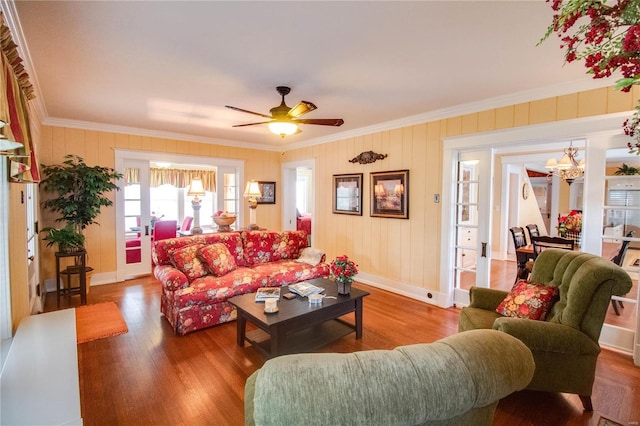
124	154
601	133
289	171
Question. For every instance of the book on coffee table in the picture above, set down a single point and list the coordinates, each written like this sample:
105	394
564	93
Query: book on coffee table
304	289
265	293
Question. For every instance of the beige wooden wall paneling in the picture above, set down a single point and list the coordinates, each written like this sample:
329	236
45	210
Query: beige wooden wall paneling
380	246
98	148
18	272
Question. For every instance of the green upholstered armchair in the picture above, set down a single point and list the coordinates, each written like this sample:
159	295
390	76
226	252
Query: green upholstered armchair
455	381
564	346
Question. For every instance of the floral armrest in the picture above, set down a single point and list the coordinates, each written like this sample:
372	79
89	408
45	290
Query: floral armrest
172	279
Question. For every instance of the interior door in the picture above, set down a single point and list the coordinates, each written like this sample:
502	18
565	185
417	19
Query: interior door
135	242
472	224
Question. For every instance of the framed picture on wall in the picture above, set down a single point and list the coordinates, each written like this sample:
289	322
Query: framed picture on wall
390	194
347	194
268	191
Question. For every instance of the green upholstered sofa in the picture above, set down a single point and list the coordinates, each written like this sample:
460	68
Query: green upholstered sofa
455	381
565	346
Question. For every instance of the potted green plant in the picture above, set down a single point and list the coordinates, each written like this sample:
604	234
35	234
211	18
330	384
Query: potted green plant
78	194
625	170
67	238
79	191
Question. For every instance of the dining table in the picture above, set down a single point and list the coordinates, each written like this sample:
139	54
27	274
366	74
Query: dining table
525	253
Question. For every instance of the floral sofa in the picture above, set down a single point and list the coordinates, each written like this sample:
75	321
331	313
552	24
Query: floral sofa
200	273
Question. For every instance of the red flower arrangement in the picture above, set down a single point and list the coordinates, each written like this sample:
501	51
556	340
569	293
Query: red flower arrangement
570	223
607	37
343	269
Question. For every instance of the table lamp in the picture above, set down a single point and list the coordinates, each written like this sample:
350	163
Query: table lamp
196	189
252	193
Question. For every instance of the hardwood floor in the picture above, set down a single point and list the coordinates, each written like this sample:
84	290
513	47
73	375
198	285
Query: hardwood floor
150	376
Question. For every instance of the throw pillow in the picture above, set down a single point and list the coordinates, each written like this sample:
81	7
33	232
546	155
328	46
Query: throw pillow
217	258
528	300
186	260
310	256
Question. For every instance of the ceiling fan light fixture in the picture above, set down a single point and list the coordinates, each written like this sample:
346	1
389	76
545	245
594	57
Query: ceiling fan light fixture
283	128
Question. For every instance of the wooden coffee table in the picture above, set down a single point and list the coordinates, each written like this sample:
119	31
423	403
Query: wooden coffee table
298	326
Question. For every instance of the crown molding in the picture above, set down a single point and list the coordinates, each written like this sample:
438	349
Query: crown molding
111	128
41	115
472	107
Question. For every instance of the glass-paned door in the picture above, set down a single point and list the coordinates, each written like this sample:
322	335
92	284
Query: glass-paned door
229	196
136	243
621	243
472	225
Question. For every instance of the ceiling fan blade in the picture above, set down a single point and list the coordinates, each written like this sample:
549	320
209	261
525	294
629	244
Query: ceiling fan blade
301	108
321	121
247	111
250	124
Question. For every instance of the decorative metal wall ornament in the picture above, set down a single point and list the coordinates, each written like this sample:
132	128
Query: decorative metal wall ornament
368	157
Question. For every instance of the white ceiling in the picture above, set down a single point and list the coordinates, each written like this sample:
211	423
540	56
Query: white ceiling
171	67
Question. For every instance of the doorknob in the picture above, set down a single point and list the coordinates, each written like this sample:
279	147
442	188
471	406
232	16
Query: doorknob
31	258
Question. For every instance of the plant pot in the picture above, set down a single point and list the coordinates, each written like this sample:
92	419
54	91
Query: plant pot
344	286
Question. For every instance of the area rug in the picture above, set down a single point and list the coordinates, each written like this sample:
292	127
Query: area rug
99	321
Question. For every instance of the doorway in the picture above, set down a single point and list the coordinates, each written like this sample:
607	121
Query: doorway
600	133
298	181
134	205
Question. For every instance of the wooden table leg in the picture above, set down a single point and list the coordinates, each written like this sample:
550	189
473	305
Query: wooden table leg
275	337
359	305
242	327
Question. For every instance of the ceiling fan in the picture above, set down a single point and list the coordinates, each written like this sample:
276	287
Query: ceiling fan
284	121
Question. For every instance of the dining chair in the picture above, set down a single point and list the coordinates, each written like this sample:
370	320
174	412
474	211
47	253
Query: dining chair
533	231
186	223
519	237
544	242
164	229
520	240
616	304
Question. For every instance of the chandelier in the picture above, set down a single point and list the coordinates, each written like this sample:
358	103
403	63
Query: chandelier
568	168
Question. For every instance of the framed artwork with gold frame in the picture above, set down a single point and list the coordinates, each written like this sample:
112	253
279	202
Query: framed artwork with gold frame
390	194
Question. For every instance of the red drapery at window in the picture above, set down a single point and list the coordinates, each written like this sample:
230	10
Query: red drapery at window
15	92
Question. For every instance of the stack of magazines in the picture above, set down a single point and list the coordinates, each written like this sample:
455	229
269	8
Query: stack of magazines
265	293
304	289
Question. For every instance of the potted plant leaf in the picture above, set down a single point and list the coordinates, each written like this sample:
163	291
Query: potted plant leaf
78	193
626	170
67	238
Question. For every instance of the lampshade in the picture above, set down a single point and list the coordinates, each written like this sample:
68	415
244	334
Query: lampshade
196	188
552	163
252	190
398	189
283	128
6	145
564	163
379	190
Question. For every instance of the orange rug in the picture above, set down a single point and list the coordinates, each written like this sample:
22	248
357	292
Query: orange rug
99	321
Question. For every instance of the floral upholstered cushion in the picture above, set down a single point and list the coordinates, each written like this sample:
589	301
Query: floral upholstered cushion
291	245
528	300
217	259
186	260
261	246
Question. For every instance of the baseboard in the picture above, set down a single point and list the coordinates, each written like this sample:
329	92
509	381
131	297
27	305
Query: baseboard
96	279
419	293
